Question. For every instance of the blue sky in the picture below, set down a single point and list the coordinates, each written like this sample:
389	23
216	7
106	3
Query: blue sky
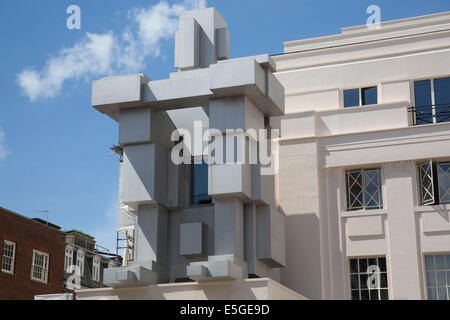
54	146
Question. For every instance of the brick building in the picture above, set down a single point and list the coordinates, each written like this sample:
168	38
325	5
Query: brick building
32	257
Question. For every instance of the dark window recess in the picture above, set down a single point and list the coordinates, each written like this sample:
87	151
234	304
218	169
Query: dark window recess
351	98
369	96
360	97
432	101
199	184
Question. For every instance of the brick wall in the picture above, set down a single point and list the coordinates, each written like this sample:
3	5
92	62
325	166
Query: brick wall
29	235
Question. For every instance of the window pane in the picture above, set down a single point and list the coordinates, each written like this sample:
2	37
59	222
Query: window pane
374	295
354	265
422	95
439	260
355	190
354	284
383	280
384	294
443	170
382	264
372	189
447	261
431	281
369	96
429	262
200	184
442	99
426	183
364	294
431	293
442	293
355	294
351	98
362	265
363	280
440	278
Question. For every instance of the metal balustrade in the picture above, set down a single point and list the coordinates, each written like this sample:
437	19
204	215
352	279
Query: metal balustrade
437	113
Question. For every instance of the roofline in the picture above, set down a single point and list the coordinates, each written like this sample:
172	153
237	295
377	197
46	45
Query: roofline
30	219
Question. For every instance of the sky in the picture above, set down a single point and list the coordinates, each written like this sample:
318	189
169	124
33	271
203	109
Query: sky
54	147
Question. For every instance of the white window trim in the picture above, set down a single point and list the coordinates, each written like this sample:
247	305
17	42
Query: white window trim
360	95
433	98
13	260
68	259
45	267
96	262
80	266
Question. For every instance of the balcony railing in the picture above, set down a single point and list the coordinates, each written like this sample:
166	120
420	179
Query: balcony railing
430	114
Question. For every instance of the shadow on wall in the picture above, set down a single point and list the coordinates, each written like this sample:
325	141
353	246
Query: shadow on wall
303	266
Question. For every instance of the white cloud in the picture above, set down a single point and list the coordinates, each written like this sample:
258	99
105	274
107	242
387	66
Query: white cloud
3	148
108	53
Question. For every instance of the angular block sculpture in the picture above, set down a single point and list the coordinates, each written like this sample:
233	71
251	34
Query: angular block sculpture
236	231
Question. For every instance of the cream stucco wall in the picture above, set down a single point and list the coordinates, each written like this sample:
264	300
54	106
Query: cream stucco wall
320	140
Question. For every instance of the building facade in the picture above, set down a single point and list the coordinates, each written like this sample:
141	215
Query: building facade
365	161
359	206
84	261
32	257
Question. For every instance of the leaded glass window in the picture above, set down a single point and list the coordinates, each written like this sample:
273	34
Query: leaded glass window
364	189
434	182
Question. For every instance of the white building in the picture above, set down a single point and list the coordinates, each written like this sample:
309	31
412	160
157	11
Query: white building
363	188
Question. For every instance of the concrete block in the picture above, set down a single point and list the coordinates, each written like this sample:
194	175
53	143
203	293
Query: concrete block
270	235
187	45
230	179
192	239
222	44
128	276
145	174
134	126
120	89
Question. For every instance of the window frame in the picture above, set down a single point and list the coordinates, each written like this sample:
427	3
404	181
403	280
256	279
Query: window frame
435	192
360	98
358	274
445	270
13	258
433	96
45	266
192	181
96	263
380	190
68	264
81	256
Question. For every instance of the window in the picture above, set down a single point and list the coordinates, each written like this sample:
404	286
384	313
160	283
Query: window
199	184
434	182
9	254
96	269
39	268
364	189
68	262
368	279
80	262
360	97
432	101
437	276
